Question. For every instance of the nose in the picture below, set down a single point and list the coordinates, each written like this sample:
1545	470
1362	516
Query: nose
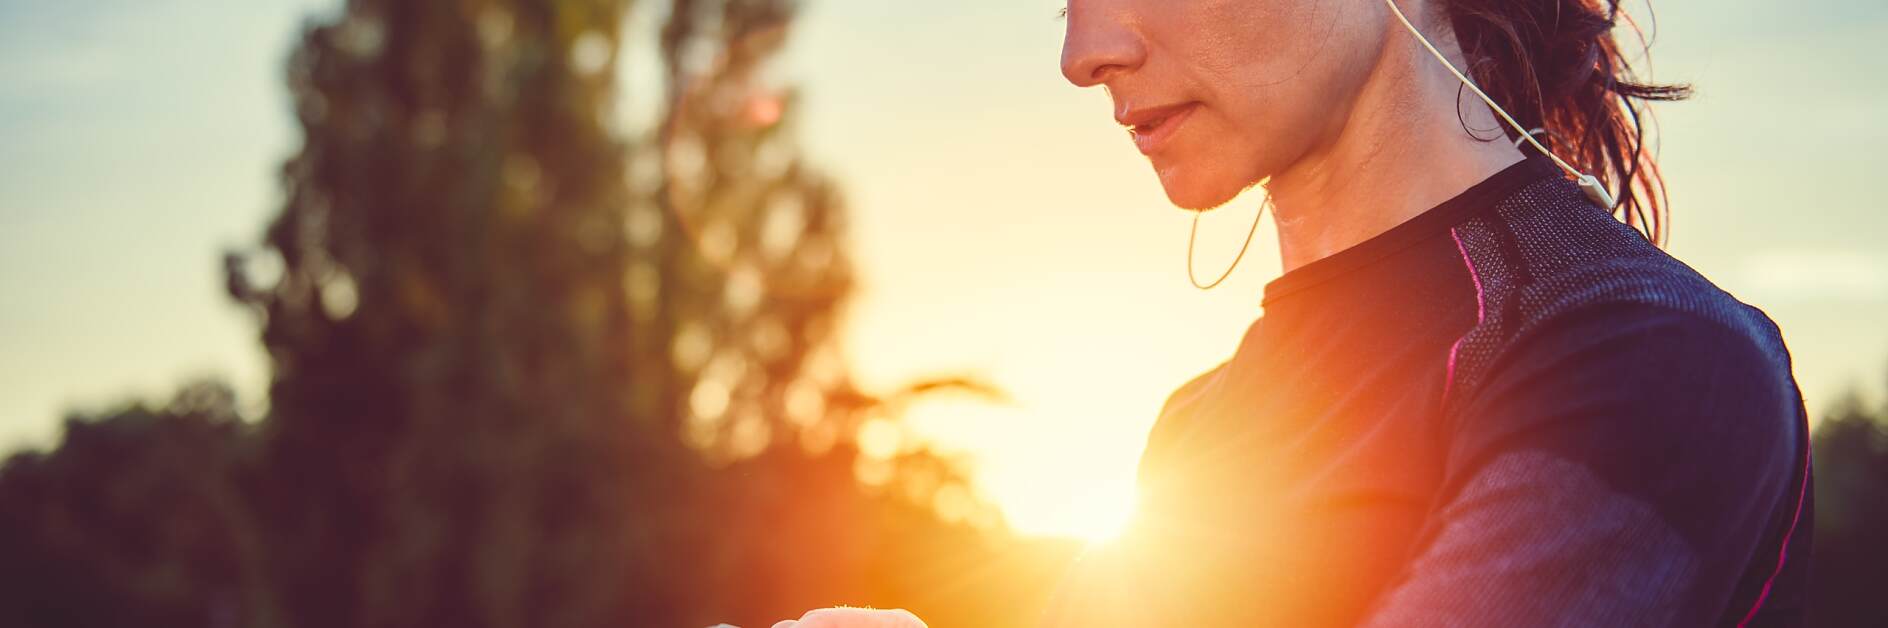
1098	46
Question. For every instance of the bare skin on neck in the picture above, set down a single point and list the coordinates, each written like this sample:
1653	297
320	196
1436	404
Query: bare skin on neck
1401	150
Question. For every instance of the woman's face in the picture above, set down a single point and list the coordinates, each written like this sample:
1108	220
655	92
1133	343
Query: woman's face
1220	94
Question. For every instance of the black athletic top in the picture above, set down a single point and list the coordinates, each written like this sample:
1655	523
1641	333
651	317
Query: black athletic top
1509	410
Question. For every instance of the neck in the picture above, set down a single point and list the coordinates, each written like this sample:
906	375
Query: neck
1399	151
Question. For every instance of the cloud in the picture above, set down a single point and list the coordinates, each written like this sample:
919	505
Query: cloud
1815	275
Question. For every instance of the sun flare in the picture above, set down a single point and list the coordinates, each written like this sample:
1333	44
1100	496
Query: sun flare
1098	514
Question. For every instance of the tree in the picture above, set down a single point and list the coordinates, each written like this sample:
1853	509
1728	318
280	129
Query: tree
509	386
141	517
750	295
524	372
1850	556
450	422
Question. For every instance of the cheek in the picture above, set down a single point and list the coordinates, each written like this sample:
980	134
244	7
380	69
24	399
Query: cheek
1255	43
1288	69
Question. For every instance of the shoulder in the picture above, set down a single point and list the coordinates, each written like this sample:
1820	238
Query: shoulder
1642	309
1687	412
1604	340
1660	303
1187	392
1577	304
1544	257
1179	403
1640	339
1686	403
1660	355
1557	266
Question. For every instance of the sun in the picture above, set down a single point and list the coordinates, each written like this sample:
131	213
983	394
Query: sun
1052	468
1101	512
1106	524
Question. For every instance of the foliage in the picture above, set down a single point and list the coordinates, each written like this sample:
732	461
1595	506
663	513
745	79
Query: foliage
140	517
531	369
1850	560
528	368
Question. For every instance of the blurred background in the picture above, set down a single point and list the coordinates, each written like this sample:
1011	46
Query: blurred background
676	312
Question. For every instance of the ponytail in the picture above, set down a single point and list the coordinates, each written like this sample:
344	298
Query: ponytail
1554	65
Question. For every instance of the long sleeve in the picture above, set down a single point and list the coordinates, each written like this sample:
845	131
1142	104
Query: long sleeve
1620	466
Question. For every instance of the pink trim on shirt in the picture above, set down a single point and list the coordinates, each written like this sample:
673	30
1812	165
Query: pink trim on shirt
1480	311
1783	550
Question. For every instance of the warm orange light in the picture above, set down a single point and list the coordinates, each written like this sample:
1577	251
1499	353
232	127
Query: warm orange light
1107	520
1057	468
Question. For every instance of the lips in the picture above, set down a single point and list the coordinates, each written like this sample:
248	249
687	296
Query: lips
1151	127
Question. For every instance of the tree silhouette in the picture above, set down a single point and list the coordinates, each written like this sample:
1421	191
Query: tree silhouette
139	517
510	386
450	417
531	369
1850	560
750	295
526	372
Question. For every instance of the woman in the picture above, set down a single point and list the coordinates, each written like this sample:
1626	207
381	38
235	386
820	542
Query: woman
1475	397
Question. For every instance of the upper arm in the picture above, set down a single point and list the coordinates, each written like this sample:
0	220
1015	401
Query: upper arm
1616	467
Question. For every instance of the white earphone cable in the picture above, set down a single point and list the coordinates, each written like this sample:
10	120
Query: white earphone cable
1587	182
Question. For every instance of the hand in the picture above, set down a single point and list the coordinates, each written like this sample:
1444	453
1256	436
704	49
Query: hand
854	618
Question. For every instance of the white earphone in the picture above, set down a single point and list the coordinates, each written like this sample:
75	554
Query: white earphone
1588	183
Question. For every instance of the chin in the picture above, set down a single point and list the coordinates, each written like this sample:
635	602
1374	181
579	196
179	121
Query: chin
1198	191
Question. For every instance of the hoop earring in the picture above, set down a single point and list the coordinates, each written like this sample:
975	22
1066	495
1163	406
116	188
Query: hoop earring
1235	259
1530	133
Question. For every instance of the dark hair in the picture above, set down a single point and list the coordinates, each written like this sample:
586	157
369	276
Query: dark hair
1554	65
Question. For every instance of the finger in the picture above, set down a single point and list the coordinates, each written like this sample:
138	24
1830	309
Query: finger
901	618
786	623
859	618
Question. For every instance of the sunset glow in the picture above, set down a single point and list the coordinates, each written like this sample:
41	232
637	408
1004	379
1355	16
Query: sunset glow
614	313
1002	224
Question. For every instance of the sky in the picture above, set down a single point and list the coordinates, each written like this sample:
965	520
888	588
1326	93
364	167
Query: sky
1003	224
